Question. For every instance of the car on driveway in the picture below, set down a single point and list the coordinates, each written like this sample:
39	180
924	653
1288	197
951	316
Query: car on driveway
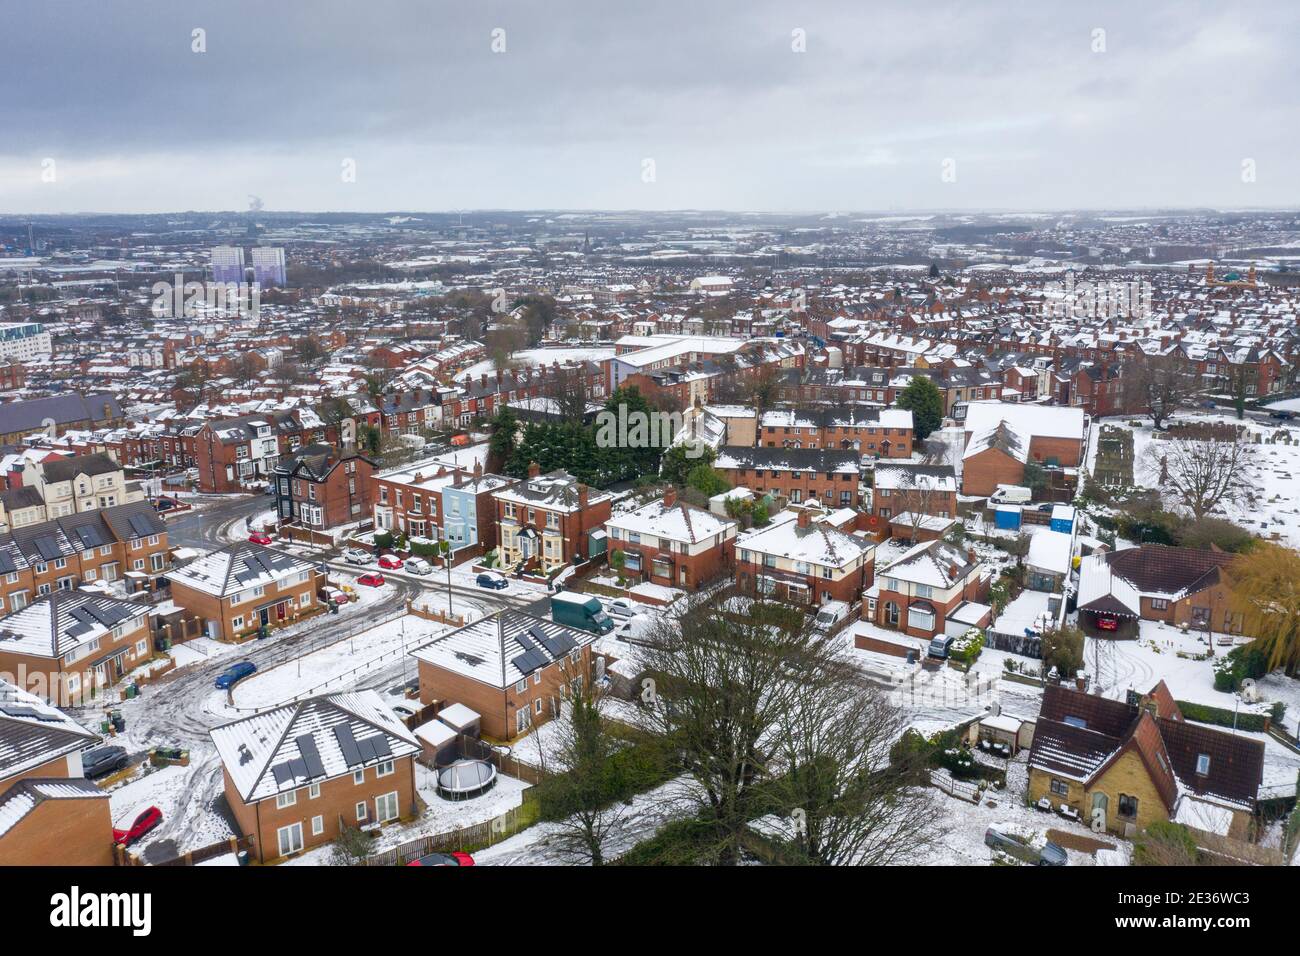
1050	855
418	566
1107	622
490	579
234	674
142	824
624	608
259	537
390	562
356	556
103	760
372	580
332	595
455	858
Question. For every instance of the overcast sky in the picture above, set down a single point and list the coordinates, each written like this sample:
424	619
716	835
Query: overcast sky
585	94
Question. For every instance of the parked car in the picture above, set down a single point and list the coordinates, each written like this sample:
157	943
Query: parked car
1282	415
233	674
1107	622
356	556
331	595
940	647
490	579
417	566
103	760
390	562
372	580
830	615
142	824
259	537
623	608
455	858
1014	846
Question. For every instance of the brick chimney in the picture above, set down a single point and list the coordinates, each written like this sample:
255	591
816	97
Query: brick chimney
478	468
582	497
534	469
670	497
804	519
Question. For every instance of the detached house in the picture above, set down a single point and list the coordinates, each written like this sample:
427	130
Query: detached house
510	668
296	775
672	543
239	588
1128	765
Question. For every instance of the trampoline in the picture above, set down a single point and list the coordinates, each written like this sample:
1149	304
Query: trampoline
466	778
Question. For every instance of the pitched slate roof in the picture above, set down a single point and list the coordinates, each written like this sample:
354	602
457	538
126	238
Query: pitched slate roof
71	409
236	567
63	621
310	741
67	468
33	733
26	795
1080	735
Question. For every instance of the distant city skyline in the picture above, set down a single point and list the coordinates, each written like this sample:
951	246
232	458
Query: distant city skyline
765	107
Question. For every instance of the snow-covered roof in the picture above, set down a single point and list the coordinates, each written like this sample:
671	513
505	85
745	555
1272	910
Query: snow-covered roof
676	522
1049	551
1038	421
237	567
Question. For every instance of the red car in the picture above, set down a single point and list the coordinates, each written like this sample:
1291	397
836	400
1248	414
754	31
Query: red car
444	859
1107	622
145	822
390	562
372	580
259	537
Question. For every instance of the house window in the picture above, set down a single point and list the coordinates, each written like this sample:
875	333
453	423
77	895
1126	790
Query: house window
1202	764
537	677
386	807
523	717
317	826
286	799
289	838
522	686
1060	788
361	811
1128	806
385	769
920	618
537	705
359	776
313	791
1159	604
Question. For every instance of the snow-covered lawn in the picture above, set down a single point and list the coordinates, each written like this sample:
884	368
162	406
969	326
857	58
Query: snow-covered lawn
190	823
1023	613
337	666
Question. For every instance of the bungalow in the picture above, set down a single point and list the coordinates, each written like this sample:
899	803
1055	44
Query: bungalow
1155	582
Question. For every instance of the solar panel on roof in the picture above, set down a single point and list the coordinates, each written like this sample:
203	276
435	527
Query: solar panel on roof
48	547
20	710
282	773
311	755
348	744
558	644
7	565
140	525
89	536
529	661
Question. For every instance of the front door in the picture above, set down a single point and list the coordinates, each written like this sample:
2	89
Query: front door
265	615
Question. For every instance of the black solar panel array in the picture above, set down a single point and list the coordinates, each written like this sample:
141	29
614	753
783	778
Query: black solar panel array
7	565
90	536
141	526
48	547
361	751
532	658
558	644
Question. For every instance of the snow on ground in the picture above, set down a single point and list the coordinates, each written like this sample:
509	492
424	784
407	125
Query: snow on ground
964	823
438	816
337	666
1273	475
168	788
1023	613
638	820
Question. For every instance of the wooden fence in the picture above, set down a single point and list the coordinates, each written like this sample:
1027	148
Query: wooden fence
464	839
124	857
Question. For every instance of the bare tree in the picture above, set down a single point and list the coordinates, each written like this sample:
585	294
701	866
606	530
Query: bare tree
581	793
846	804
771	720
1202	473
1157	385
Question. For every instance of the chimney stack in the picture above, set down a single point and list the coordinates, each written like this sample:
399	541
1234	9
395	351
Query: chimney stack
804	519
582	497
534	469
670	497
478	468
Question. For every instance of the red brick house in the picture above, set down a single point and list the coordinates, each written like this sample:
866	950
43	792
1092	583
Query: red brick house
549	518
801	558
297	774
321	488
882	432
798	474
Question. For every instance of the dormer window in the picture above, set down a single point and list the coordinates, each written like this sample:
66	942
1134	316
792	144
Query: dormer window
1202	764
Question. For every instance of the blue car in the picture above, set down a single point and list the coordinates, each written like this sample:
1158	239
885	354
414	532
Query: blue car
491	580
234	673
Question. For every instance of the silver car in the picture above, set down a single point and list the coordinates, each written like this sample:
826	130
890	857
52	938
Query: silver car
357	556
1014	846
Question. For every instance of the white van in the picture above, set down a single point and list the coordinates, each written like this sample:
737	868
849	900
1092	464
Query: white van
830	614
1012	495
